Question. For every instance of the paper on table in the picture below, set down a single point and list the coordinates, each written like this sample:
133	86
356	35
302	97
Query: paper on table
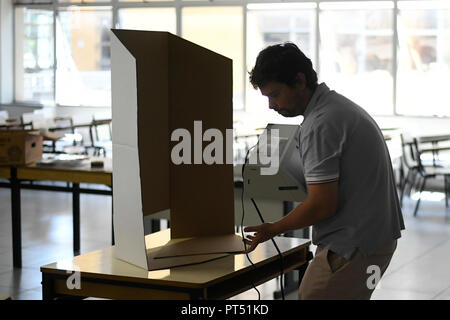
155	263
230	243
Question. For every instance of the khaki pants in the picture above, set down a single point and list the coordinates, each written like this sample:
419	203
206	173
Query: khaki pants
331	277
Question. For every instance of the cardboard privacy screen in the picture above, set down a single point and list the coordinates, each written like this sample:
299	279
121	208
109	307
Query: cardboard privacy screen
161	83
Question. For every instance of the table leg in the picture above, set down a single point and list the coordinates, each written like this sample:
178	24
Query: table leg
16	219
47	287
76	217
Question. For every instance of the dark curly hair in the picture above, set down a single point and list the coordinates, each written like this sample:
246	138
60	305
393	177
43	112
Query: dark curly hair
282	63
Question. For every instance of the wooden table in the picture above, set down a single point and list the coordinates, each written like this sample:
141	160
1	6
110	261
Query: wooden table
15	125
83	173
102	275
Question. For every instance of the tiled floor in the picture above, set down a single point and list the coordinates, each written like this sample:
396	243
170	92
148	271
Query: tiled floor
419	269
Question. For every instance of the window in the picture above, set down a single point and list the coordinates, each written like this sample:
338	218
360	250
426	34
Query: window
83	75
424	58
34	61
268	24
219	29
155	19
386	61
356	52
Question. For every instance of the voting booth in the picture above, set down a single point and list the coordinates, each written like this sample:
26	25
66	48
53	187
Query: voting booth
160	83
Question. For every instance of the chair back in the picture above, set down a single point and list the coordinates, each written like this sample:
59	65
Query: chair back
410	156
416	151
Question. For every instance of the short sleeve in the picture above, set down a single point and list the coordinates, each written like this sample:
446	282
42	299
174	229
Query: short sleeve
321	149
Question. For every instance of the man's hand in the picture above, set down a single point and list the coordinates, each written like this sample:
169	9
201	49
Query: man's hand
263	232
321	204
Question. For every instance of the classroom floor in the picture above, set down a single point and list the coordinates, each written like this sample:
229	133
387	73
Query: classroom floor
419	268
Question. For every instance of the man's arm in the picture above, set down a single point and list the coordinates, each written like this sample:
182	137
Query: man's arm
321	204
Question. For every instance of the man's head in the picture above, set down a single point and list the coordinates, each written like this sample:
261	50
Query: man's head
286	76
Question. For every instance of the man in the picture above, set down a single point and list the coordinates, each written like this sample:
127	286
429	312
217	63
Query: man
352	201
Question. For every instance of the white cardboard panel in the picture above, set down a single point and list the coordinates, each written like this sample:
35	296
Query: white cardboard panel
230	243
128	217
124	94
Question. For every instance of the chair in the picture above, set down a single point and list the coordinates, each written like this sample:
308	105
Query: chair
409	161
426	172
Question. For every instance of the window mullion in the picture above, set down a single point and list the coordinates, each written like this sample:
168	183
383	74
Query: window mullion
244	57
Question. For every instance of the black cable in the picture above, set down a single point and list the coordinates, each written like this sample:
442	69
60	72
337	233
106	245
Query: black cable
262	220
278	250
242	220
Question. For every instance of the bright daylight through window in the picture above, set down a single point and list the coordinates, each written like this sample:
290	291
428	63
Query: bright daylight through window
382	54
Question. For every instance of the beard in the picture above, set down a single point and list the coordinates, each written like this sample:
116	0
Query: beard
288	113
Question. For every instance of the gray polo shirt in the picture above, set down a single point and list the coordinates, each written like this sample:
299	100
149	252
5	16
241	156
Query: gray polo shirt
339	141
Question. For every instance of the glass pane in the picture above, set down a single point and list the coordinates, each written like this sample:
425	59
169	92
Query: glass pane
154	19
356	54
34	56
83	53
424	60
274	24
219	29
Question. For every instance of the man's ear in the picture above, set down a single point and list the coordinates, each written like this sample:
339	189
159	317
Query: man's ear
300	80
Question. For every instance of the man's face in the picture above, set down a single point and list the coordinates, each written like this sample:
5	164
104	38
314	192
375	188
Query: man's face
287	101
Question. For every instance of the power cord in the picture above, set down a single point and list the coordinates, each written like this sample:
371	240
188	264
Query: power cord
242	220
262	220
278	250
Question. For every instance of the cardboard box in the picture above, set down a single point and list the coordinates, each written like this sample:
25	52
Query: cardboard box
20	147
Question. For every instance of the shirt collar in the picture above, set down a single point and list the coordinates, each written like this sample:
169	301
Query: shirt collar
318	93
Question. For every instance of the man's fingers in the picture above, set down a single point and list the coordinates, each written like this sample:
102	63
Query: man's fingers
251	228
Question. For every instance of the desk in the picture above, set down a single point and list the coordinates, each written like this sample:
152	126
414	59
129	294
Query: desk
104	276
75	175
